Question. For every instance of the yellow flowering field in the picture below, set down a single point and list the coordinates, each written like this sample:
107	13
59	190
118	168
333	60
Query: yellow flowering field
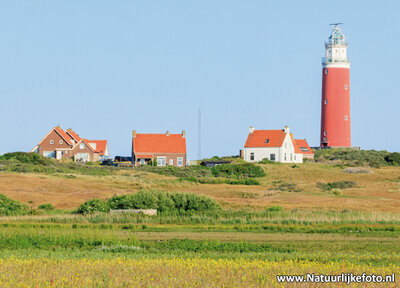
175	272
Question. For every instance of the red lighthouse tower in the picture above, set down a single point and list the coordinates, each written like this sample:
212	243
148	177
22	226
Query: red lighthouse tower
335	106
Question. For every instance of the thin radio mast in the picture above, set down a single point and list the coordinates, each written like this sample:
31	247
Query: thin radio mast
199	137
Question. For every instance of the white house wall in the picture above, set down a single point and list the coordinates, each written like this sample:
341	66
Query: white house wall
287	148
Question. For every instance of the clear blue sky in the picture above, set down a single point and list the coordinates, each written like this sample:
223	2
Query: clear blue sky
105	68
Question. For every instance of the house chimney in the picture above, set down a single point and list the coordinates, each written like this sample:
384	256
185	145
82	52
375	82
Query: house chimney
183	133
286	129
134	133
251	130
167	133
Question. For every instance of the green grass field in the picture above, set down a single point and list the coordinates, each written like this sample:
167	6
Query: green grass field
309	218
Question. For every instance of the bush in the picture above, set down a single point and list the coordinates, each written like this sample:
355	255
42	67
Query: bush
29	158
221	181
163	201
267	161
93	206
238	170
12	207
47	207
274	209
351	157
336	192
288	187
336	185
393	159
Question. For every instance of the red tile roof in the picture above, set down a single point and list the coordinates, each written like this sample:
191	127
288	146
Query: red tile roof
64	135
159	143
302	143
297	149
258	138
100	145
73	135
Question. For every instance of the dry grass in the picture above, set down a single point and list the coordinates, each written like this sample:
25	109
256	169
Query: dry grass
374	192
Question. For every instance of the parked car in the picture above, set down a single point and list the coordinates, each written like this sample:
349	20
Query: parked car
108	162
123	161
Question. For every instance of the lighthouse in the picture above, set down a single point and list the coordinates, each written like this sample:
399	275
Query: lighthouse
335	106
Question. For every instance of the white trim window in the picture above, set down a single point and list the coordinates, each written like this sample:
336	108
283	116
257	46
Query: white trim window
179	161
49	154
51	142
161	161
82	146
61	142
171	162
142	161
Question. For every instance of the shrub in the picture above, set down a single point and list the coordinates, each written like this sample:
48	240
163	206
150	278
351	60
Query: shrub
163	201
288	187
221	181
393	159
267	161
351	157
29	158
12	207
336	192
238	170
274	209
47	207
93	206
336	185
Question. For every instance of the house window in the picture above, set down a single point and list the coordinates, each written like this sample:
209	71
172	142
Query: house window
51	141
171	162
161	161
326	101
304	149
61	142
294	157
291	157
82	157
272	157
326	71
142	161
49	154
285	157
251	156
180	161
82	146
266	141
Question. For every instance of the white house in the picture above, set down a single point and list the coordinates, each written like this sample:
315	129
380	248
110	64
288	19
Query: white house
275	145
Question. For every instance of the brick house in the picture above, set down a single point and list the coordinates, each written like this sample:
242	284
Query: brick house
60	144
166	149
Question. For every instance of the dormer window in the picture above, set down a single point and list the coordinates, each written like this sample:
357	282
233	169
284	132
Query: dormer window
304	149
266	140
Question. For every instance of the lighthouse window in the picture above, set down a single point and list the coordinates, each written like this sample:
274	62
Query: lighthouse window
326	71
345	87
326	101
345	117
325	133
